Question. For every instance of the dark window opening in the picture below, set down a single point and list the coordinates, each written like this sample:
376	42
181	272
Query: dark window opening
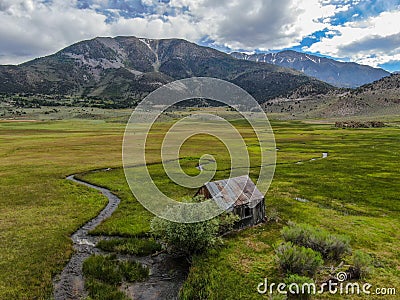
247	212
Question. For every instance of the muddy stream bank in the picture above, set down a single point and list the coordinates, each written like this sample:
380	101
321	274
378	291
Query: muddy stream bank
167	273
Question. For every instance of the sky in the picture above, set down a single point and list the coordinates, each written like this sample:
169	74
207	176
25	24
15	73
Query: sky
361	31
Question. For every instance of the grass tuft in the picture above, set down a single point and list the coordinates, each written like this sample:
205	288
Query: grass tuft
99	290
131	246
104	274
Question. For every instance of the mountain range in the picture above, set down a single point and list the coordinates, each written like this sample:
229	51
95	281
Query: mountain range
121	71
339	74
130	67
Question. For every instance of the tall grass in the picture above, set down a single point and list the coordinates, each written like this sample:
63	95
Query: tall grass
331	246
103	275
132	246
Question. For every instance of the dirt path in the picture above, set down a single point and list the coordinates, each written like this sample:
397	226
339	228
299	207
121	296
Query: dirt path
167	273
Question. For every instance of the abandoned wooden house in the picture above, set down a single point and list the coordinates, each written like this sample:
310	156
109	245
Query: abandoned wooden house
238	195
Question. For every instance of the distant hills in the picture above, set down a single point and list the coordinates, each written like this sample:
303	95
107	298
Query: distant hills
339	74
378	99
381	97
130	67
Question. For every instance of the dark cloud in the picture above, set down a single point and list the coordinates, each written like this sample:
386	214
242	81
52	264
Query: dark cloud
254	24
373	43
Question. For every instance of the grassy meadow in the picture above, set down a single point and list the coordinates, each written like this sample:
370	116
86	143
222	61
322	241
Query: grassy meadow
354	191
39	208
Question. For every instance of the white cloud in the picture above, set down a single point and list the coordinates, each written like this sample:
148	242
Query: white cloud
31	28
263	24
15	7
173	27
372	41
379	60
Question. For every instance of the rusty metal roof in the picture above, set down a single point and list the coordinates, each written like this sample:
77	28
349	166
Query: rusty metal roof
232	192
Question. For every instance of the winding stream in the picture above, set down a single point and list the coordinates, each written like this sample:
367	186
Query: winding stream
166	272
70	283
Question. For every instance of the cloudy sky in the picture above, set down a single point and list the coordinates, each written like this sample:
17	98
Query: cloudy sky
363	31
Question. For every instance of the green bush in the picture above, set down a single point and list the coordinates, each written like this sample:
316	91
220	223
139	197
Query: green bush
362	264
334	246
303	288
329	245
191	238
294	259
187	239
132	246
227	222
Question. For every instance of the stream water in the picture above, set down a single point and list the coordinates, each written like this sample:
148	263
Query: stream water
167	273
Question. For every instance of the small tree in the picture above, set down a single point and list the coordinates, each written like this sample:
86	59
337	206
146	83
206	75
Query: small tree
192	238
187	239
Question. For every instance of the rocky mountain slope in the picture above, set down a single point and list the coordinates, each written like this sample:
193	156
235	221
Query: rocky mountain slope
340	74
130	67
378	99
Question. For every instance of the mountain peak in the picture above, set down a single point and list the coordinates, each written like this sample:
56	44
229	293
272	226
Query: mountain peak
340	74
